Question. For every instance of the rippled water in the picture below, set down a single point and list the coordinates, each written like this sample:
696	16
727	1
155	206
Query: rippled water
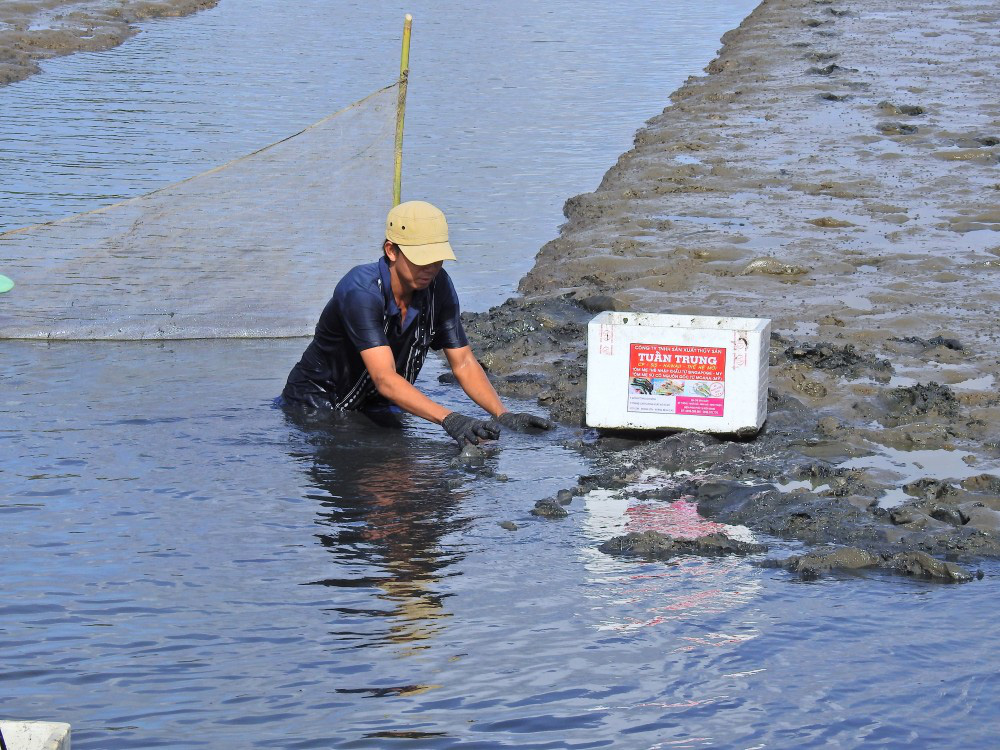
512	108
183	567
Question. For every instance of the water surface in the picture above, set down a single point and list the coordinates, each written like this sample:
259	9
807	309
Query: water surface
184	568
512	108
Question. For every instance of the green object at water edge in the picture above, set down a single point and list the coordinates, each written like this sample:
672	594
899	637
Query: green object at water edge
5	284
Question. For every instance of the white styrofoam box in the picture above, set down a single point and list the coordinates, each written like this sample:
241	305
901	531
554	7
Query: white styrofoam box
648	371
35	735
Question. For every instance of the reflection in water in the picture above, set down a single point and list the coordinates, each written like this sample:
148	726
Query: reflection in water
683	589
386	505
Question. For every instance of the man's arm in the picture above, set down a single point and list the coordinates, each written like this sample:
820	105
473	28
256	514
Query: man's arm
469	374
478	387
382	367
393	386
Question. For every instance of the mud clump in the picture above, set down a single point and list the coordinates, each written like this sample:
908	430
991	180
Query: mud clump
828	70
921	565
549	508
553	507
844	360
947	342
896	128
773	267
828	222
910	403
804	516
911	110
966	514
654	545
818	563
983	483
564	497
852	559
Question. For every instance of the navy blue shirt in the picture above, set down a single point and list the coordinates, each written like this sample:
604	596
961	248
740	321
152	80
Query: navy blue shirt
363	314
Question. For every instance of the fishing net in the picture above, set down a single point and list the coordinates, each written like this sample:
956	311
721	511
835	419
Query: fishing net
249	249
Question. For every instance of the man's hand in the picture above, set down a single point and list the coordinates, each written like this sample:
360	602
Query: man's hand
468	430
523	421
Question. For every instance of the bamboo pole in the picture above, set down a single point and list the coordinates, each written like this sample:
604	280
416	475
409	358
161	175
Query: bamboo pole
404	74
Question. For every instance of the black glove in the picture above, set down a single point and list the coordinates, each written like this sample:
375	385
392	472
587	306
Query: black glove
514	420
468	430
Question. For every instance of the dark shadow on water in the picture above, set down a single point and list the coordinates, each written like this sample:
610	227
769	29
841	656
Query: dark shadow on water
385	505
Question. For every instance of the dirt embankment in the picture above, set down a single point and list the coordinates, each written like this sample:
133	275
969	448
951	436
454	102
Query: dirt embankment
837	171
33	30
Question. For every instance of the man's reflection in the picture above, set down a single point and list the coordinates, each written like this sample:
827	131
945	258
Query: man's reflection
386	505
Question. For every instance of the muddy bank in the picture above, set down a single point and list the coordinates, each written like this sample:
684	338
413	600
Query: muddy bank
33	30
837	171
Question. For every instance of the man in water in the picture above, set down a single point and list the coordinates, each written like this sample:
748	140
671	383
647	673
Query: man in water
374	333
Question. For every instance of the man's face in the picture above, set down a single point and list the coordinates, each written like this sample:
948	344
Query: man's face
411	275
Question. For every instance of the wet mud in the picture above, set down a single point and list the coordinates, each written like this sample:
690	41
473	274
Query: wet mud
836	170
848	559
33	30
655	545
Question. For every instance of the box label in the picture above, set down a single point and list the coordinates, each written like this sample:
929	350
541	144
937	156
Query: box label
607	345
668	379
